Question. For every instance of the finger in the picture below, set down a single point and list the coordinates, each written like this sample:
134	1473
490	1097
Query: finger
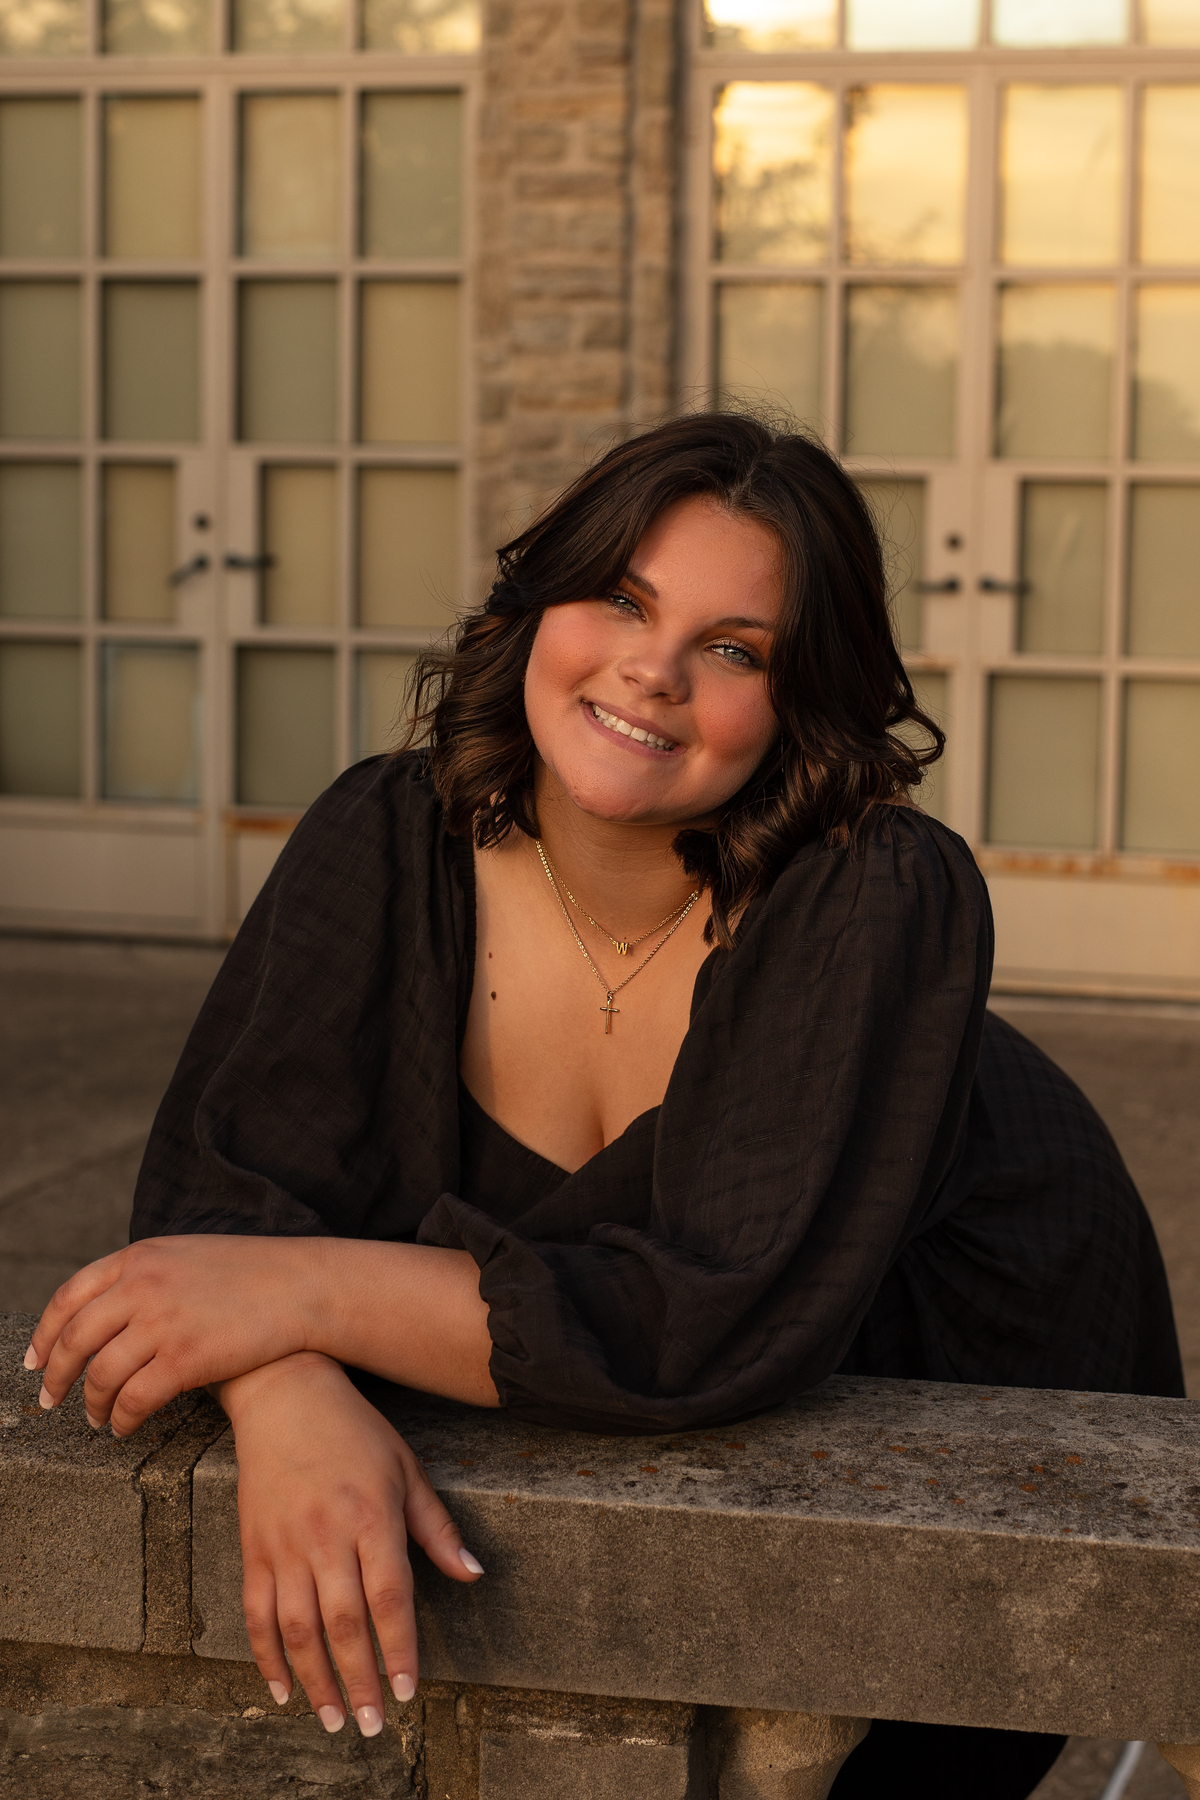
260	1606
344	1611
84	1286
302	1630
388	1585
88	1329
127	1382
430	1525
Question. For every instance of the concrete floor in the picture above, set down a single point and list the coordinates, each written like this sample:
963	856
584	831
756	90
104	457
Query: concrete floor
89	1034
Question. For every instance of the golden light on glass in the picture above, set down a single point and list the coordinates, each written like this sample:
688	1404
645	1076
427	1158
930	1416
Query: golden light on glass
1060	174
41	171
769	339
290	167
299	26
157	27
1031	23
771	25
1166	393
42	28
408	565
1174	22
410	359
1054	376
905	173
423	27
152	178
1170	175
901	371
1164	555
1063	543
772	166
916	25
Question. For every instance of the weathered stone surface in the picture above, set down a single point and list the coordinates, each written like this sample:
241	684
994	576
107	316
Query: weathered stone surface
877	1549
780	1756
541	1747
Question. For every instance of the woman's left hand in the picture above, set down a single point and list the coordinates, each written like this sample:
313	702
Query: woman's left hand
173	1313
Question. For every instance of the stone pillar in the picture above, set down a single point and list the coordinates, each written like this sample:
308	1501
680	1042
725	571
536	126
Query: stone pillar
1186	1759
782	1756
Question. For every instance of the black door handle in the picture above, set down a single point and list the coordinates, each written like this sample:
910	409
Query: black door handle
988	584
234	561
197	566
951	585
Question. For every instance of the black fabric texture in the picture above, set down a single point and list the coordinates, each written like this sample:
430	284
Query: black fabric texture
854	1164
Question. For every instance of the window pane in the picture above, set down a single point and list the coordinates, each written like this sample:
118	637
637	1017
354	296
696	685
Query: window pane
917	25
40	171
1164	555
408	547
151	713
1060	175
138	513
768	343
152	361
1044	762
1062	561
40	353
416	27
290	175
51	28
39	720
898	509
901	368
1162	739
773	172
931	689
41	544
1060	21
1054	388
300	508
409	362
1166	393
152	178
280	25
285	726
906	173
411	174
771	24
1170	173
1171	22
155	28
288	361
382	675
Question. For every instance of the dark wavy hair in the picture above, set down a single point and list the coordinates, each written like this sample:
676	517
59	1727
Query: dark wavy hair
844	703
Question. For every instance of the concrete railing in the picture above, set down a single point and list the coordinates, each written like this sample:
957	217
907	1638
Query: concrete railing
712	1616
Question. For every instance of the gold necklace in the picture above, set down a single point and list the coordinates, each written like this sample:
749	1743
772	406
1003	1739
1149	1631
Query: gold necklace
610	993
622	946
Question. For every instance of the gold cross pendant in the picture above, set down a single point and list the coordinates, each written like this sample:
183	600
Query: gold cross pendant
608	1009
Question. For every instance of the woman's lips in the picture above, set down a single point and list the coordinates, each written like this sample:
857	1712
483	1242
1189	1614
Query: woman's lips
636	735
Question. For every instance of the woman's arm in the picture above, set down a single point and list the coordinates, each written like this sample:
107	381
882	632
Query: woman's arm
170	1314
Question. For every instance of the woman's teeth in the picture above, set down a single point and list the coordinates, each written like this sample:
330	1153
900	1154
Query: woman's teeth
631	731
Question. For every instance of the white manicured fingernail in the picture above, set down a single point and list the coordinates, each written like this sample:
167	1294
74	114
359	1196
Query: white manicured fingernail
403	1686
470	1562
31	1361
45	1398
279	1693
370	1720
331	1717
94	1423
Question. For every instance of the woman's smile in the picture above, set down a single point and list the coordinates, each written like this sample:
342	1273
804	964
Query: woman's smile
633	733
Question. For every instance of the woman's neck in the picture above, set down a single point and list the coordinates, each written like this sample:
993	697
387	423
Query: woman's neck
627	875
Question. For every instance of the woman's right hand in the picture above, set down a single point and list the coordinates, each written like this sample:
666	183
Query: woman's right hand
328	1495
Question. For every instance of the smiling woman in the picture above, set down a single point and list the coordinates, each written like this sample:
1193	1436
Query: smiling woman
668	761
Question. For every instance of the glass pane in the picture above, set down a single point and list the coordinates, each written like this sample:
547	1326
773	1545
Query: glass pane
1054	386
1062	563
901	369
138	512
1162	737
151	712
152	178
906	173
409	362
40	352
297	25
40	172
1060	175
152	361
285	726
47	28
1164	555
1166	391
411	174
1171	22
1044	762
1060	21
898	508
300	517
288	361
773	172
291	165
41	543
382	675
771	24
157	27
1170	172
416	27
408	547
931	690
768	344
39	720
917	25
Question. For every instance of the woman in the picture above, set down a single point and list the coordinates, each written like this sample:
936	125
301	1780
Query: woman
621	1060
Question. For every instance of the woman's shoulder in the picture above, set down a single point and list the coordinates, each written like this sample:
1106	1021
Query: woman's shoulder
897	852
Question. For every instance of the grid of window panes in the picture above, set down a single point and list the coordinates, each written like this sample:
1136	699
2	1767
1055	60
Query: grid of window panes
986	268
231	344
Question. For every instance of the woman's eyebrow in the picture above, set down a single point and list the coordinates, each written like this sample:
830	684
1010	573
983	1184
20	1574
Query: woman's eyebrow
748	624
640	581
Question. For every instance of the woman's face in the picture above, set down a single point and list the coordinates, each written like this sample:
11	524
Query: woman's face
649	704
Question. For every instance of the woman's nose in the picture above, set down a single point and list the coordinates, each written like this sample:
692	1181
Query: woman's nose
657	668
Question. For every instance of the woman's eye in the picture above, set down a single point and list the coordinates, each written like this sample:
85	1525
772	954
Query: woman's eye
625	603
737	654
